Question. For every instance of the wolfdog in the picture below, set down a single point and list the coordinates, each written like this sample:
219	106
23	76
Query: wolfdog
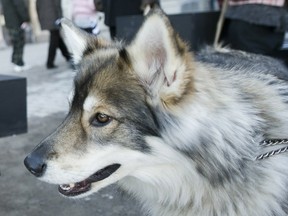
185	133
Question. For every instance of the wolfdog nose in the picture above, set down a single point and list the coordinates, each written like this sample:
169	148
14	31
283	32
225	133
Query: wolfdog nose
35	165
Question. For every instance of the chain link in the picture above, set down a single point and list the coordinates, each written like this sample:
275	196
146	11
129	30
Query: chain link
273	142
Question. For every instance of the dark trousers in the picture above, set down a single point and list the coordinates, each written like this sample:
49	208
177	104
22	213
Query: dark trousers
112	32
88	30
56	41
253	38
18	41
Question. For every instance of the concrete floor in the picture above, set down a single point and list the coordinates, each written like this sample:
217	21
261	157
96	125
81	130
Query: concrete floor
22	194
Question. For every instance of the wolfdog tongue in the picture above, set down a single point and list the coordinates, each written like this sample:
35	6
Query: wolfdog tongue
74	189
103	173
84	186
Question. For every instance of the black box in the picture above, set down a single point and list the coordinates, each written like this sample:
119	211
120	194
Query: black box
198	29
13	108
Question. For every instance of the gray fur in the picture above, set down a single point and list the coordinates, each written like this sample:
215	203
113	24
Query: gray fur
185	128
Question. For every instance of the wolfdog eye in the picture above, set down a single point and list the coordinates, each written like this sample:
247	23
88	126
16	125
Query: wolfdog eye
100	120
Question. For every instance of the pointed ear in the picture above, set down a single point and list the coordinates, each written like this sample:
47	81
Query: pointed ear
75	39
161	60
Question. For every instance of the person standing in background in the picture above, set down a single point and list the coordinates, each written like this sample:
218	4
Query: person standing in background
114	8
147	5
49	13
17	19
257	26
83	13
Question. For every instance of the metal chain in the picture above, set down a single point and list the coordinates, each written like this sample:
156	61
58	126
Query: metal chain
272	153
273	142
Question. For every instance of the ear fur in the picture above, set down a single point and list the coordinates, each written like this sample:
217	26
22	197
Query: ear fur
161	60
75	39
80	42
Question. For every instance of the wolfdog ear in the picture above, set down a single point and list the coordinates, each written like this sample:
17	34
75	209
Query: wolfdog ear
159	58
80	42
75	39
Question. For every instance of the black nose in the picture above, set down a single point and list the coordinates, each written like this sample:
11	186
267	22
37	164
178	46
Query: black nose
35	165
35	162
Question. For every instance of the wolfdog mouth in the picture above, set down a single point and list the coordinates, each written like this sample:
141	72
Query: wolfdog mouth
78	188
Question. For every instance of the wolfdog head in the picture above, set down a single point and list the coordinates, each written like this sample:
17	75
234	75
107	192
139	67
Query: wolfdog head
124	98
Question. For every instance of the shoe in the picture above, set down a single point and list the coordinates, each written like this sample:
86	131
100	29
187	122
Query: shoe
51	66
18	68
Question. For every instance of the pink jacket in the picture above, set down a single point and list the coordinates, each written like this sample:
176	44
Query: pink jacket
84	13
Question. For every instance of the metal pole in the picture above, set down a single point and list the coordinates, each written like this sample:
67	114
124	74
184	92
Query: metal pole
220	22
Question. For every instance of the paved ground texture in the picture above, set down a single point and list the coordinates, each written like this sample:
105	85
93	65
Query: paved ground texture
20	193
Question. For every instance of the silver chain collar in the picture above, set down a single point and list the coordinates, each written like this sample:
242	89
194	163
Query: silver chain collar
273	142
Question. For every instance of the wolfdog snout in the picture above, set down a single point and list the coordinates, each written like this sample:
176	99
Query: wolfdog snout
35	162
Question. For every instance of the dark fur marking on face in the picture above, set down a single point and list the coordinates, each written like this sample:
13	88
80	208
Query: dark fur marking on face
88	50
146	125
114	85
124	55
136	116
83	81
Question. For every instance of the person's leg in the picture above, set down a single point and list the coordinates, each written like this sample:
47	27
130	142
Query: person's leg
53	44
88	30
18	42
112	32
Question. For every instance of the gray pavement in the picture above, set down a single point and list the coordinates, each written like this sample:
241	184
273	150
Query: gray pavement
22	194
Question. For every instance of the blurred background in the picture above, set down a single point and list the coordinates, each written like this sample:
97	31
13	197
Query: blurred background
34	34
36	77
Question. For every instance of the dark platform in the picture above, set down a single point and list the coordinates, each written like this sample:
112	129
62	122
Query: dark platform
13	109
198	29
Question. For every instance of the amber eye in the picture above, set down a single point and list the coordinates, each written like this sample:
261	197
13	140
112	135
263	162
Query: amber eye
100	120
